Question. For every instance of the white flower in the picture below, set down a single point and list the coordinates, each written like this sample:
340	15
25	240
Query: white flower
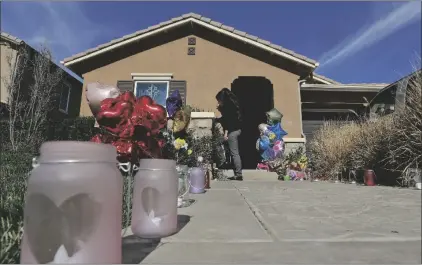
200	159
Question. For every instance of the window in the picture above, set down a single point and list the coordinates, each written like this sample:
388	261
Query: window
64	99
157	90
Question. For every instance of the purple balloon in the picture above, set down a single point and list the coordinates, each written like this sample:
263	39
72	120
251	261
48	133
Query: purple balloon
174	103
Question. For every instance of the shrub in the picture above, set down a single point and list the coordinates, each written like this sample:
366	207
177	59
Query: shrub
14	169
331	147
77	129
354	145
371	143
18	128
11	228
405	144
201	146
72	129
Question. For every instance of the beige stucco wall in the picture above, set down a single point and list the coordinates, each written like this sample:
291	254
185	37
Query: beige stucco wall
212	68
5	52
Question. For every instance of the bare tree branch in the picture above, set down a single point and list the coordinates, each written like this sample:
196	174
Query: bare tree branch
32	93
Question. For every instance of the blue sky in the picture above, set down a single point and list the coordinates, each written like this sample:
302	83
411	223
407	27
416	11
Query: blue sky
353	41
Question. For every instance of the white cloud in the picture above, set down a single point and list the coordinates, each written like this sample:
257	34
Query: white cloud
61	25
401	16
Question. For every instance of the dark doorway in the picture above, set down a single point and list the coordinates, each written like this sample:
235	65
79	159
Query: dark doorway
256	96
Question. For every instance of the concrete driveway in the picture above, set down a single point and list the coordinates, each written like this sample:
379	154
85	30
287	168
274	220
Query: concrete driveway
267	222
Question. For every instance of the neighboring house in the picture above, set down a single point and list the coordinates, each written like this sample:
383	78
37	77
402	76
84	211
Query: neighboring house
199	56
70	89
393	96
325	99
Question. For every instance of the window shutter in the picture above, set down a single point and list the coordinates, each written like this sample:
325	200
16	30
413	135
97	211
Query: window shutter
178	85
124	86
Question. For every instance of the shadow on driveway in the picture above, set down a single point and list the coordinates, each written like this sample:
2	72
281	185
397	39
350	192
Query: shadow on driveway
136	249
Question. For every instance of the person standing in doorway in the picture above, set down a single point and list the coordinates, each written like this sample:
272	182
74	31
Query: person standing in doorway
231	121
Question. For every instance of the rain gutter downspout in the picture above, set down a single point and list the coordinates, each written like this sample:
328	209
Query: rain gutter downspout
299	83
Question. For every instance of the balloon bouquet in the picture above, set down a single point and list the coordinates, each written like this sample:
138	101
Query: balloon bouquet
270	144
133	125
138	127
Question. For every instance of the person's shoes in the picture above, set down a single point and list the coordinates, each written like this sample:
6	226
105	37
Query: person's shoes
240	178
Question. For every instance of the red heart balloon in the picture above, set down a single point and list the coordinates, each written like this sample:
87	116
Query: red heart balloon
149	114
115	113
120	116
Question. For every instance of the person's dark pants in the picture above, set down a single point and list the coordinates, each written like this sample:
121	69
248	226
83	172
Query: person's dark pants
233	141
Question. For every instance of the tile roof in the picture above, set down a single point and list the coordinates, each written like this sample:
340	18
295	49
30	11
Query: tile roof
195	17
11	38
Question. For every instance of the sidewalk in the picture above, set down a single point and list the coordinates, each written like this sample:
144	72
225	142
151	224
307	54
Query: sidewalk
268	222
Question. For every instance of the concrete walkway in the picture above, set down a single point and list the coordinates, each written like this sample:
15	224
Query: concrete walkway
264	221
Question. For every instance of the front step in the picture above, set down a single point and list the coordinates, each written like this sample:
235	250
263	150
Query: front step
252	174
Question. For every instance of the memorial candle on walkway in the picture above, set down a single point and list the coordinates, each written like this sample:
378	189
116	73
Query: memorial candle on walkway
154	204
197	180
73	207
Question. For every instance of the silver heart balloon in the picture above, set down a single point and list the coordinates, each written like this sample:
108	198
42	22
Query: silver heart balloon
97	92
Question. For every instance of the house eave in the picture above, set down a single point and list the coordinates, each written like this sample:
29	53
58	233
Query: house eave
72	61
341	88
321	80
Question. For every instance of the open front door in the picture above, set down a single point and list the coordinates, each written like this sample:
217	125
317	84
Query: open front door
256	97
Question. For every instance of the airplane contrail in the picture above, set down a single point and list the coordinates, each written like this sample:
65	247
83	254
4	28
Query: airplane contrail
382	28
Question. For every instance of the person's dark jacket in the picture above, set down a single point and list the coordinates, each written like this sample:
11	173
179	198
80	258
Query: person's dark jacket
230	119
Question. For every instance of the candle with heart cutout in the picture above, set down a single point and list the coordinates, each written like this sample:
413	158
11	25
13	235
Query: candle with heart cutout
73	206
154	203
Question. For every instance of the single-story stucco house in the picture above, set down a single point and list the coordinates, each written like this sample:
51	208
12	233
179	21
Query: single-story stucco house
199	56
335	101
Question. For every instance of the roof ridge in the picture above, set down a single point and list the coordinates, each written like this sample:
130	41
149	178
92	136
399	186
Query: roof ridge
202	19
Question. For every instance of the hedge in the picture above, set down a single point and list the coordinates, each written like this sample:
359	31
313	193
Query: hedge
77	129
